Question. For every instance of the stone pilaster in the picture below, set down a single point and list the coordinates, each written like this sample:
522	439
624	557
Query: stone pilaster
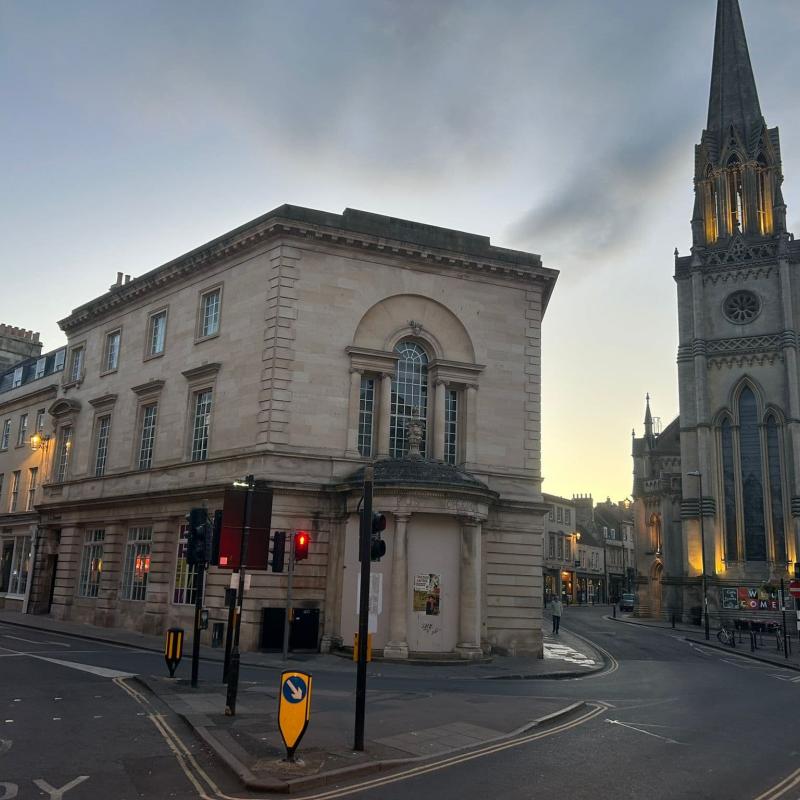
69	555
334	578
385	419
471	439
353	413
397	647
469	618
111	577
438	428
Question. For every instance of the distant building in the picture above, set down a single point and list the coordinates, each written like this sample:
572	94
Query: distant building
17	344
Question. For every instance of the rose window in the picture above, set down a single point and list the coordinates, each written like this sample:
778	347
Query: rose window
741	307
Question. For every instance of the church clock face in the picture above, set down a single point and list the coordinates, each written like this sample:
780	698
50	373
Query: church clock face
741	307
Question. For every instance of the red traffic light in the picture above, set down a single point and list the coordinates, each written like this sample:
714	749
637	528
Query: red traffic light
301	542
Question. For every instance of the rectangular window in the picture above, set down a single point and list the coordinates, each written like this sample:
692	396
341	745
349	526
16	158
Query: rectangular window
20	565
76	365
101	445
567	515
59	360
156	333
451	427
33	477
137	564
62	457
38	372
209	313
14	495
40	420
552	546
111	351
148	436
4	439
202	415
560	546
22	432
551	516
567	550
184	593
559	514
17	379
91	563
366	416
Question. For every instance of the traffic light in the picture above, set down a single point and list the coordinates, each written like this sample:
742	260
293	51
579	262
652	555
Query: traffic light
377	547
301	542
278	551
216	536
198	544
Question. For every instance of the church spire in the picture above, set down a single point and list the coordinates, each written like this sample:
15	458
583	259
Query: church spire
738	161
734	97
648	420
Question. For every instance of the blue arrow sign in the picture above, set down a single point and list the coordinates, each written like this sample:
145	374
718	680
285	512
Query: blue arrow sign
294	689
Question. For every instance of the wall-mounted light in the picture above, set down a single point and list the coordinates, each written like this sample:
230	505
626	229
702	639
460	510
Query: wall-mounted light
40	441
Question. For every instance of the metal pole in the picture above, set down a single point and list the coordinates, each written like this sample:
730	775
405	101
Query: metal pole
365	529
229	634
783	614
199	573
287	624
703	548
233	672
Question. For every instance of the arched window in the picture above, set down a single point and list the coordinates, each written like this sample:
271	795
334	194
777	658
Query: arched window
409	392
711	209
776	491
764	200
729	488
755	542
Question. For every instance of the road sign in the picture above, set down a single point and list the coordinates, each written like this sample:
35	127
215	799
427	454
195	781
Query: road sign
294	709
794	588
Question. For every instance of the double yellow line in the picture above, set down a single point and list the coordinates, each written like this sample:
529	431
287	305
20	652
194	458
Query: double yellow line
780	789
208	790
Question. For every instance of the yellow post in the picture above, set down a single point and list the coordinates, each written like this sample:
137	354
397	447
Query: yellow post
369	647
173	649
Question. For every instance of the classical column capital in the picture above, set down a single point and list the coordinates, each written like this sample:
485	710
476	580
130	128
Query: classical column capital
401	516
441	382
356	371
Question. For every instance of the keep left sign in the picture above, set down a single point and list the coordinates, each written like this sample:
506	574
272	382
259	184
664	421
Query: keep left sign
294	709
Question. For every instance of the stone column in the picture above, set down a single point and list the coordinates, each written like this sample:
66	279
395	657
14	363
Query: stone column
334	574
438	428
471	438
397	646
469	618
353	413
69	555
163	552
111	577
385	416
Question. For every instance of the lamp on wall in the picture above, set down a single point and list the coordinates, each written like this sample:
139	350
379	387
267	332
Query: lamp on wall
40	441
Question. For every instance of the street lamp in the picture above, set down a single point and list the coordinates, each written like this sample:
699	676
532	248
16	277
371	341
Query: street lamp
699	475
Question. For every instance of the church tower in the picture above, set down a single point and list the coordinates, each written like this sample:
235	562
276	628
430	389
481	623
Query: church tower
739	320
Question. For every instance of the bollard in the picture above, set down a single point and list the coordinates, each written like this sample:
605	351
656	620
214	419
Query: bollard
614	610
673	619
173	649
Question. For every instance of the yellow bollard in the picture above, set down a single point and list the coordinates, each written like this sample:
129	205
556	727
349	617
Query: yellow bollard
369	647
173	649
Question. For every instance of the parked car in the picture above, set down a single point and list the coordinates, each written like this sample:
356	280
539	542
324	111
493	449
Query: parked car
626	602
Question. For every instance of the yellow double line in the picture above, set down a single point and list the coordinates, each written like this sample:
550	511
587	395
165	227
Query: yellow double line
204	784
780	789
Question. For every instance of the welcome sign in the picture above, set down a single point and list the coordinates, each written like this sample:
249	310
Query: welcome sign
743	598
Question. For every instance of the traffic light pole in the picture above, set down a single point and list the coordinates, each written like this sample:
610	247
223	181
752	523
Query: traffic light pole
199	574
364	537
233	672
288	620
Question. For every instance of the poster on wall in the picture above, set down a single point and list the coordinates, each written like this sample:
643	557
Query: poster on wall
745	598
427	594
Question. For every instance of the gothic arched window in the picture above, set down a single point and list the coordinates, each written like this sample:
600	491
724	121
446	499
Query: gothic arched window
755	541
735	195
409	392
729	489
776	490
764	198
712	214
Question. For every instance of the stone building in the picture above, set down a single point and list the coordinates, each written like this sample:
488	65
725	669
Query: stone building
738	307
298	348
560	544
17	344
27	389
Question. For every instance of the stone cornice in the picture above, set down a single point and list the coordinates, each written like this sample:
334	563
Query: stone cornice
149	388
63	406
202	372
20	400
306	224
103	402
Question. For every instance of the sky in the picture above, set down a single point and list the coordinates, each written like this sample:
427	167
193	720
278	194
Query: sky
133	132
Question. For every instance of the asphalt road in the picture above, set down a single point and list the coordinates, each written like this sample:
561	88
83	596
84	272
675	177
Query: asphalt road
670	720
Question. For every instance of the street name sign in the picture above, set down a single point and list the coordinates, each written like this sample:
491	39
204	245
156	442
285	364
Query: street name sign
294	709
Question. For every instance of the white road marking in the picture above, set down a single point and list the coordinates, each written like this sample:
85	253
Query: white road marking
35	641
103	672
5	745
10	791
640	730
57	794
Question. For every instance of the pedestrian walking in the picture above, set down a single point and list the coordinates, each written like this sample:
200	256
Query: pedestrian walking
556	608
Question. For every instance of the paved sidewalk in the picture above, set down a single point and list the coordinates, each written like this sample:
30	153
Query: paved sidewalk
403	724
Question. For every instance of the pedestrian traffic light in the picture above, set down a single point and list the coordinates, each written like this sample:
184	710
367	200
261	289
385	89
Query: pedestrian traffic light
377	547
198	538
301	542
278	551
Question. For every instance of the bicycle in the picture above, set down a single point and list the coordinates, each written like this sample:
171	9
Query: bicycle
726	635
